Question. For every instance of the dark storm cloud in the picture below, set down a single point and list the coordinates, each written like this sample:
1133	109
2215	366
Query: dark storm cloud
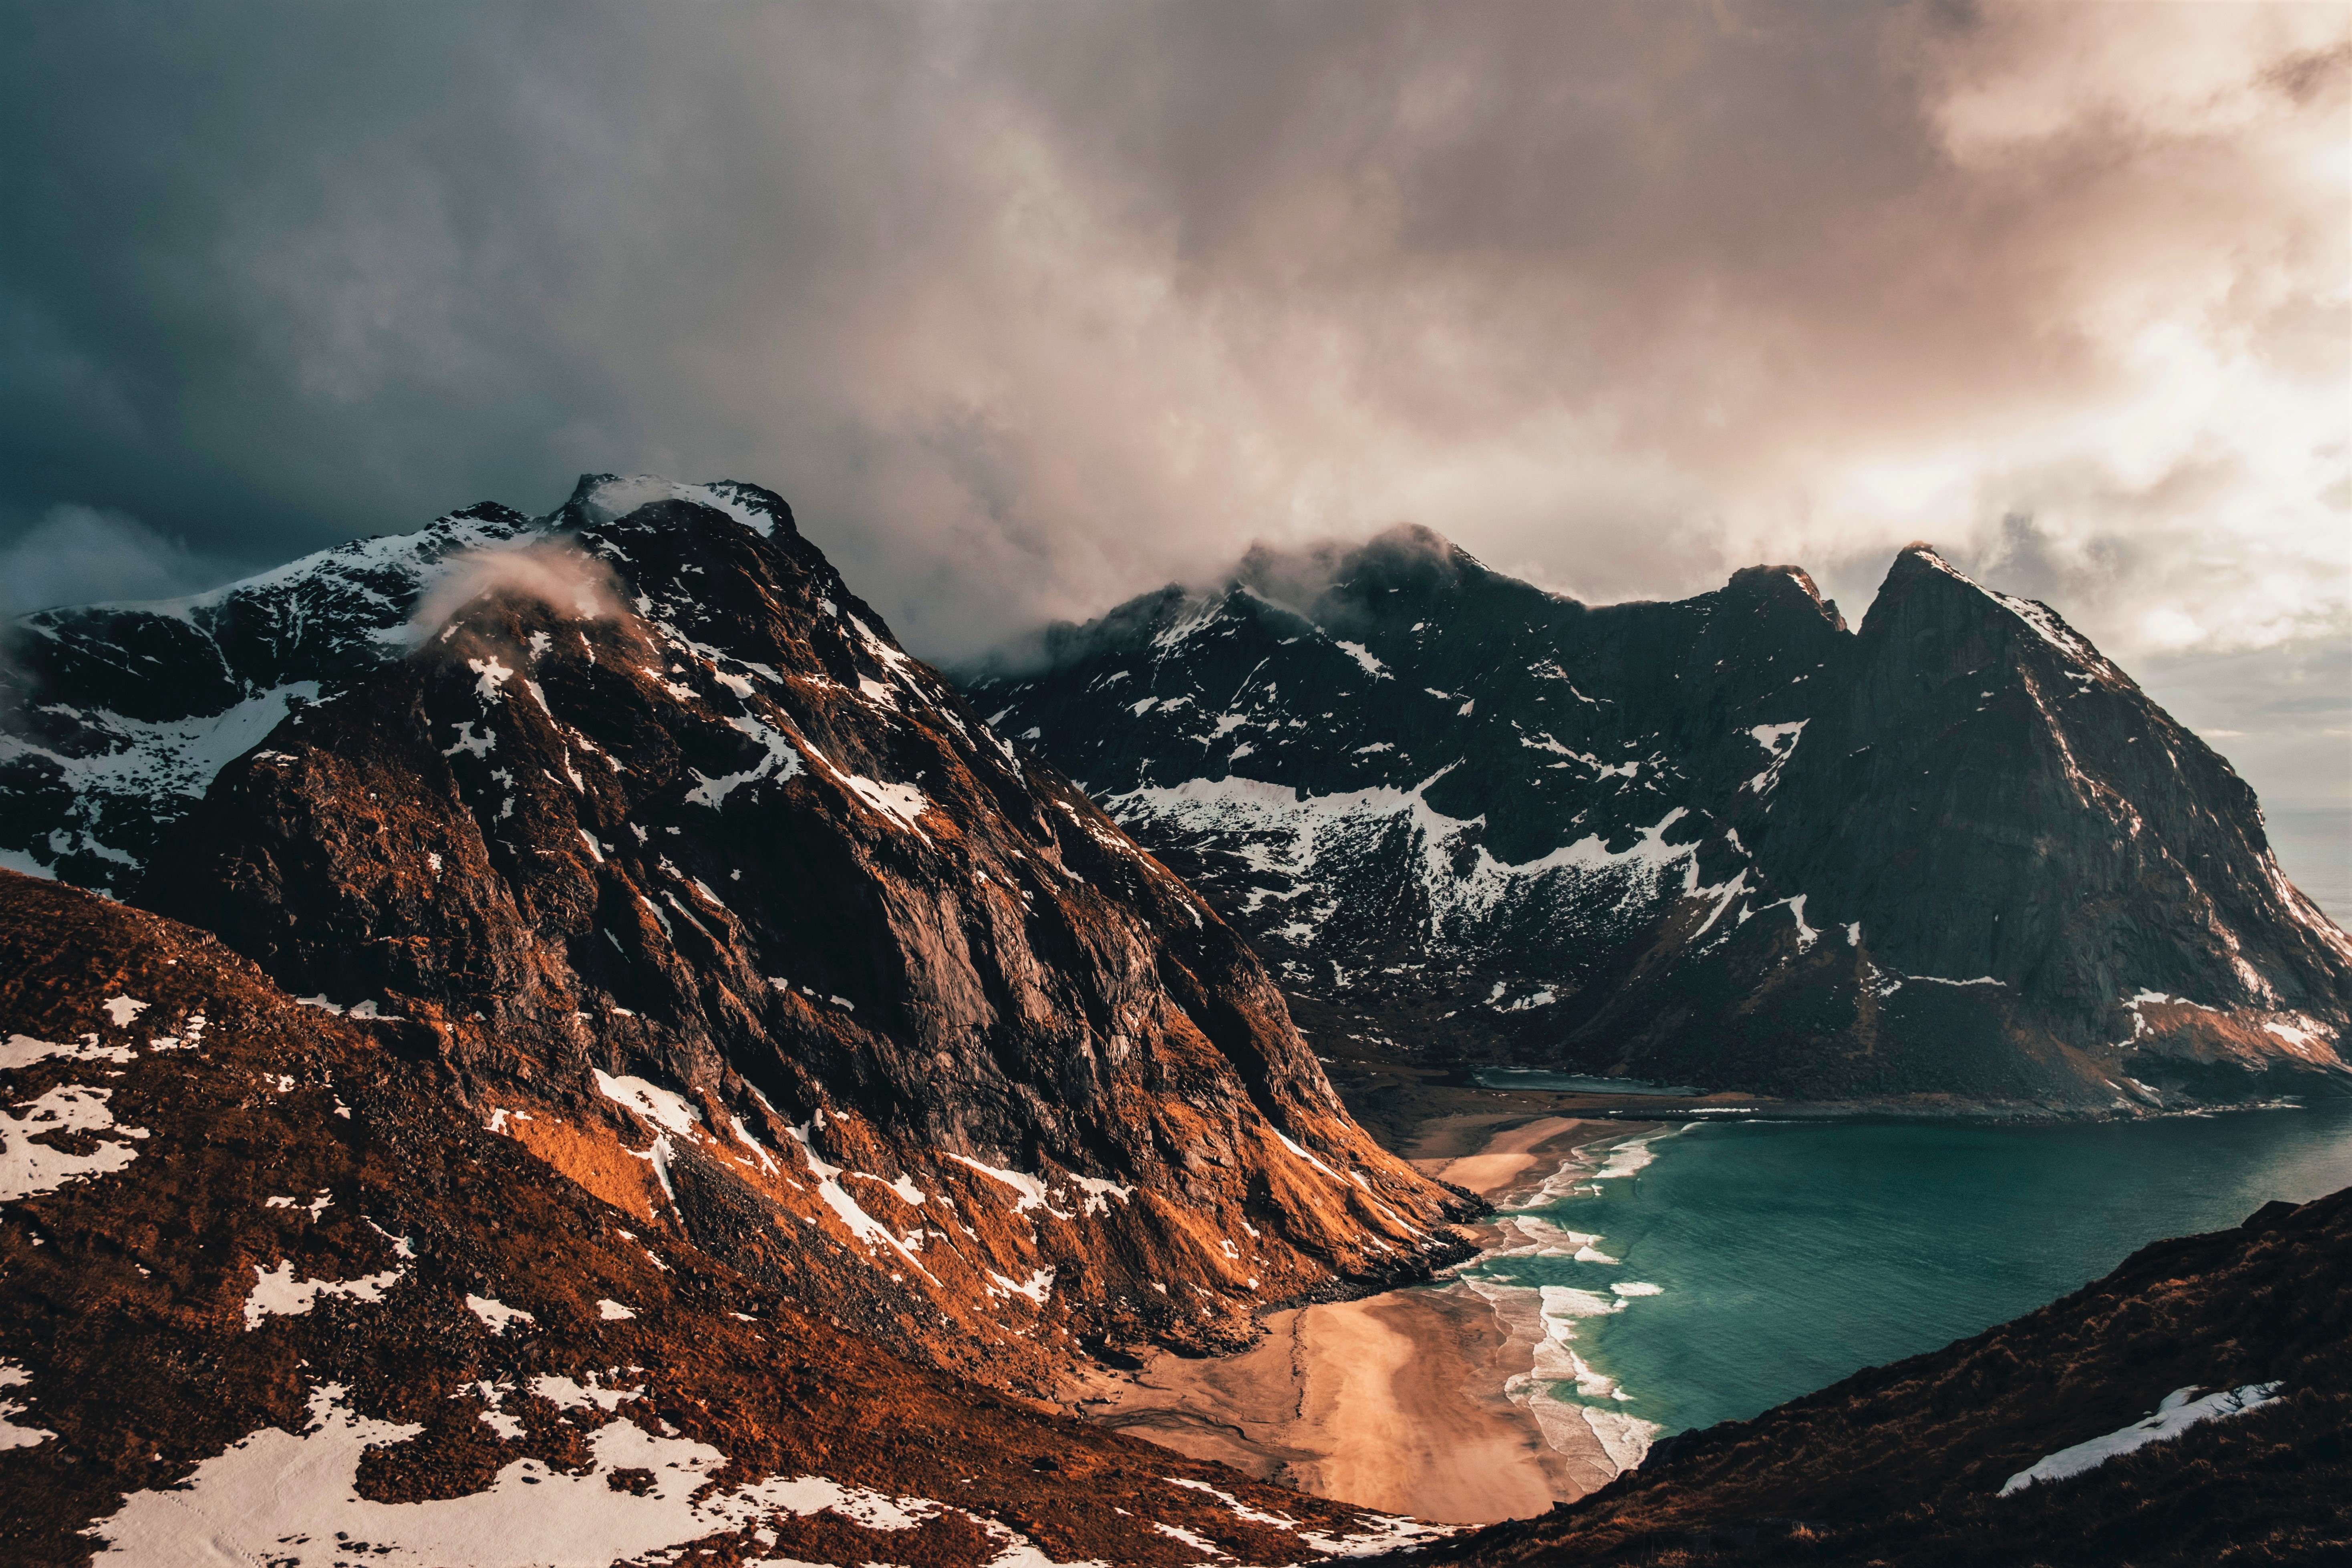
1027	307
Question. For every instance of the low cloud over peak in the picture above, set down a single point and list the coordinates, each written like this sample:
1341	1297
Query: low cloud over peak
1029	307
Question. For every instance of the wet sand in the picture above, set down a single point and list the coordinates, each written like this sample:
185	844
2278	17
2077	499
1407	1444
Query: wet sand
1500	1162
1393	1402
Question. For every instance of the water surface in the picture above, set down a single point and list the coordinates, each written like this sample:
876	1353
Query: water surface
1788	1255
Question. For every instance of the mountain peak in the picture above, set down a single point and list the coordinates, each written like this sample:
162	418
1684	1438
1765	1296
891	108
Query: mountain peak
1778	582
606	497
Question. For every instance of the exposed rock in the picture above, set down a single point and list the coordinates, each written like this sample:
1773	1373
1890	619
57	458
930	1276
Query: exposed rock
270	1291
1724	842
729	909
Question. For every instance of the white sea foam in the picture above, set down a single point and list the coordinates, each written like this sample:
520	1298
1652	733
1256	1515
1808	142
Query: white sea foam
1627	1159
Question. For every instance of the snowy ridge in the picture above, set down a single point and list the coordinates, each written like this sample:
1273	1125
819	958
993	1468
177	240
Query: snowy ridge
1530	829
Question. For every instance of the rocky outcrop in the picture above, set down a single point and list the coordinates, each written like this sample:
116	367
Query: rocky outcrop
1725	841
270	1291
722	905
2063	1435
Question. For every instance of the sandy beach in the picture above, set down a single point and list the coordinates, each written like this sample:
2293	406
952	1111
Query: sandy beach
1396	1401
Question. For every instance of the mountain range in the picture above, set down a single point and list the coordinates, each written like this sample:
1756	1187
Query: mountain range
1956	854
569	1044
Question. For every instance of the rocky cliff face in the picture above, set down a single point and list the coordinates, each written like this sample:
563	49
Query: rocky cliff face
2189	1408
728	909
1725	842
270	1291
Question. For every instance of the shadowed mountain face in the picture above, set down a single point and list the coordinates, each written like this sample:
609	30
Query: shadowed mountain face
1725	841
2190	1407
726	909
270	1291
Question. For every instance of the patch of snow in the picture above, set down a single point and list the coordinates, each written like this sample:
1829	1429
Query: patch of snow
291	1499
2174	1415
1177	1532
1098	1193
1040	1285
1301	1153
1032	1189
660	1106
1364	656
27	1168
1780	741
277	1292
902	803
778	762
23	1050
496	1315
11	1435
613	1312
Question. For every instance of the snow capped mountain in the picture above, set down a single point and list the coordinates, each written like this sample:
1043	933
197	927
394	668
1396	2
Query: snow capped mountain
1724	841
113	718
725	907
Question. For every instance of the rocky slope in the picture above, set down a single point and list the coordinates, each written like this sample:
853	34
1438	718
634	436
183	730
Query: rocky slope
270	1291
1726	841
723	907
2017	1447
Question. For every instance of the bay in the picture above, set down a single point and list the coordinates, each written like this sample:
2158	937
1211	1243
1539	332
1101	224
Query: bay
1788	1254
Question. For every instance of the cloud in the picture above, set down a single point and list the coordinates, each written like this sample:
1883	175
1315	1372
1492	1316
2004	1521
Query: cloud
552	573
1028	307
79	555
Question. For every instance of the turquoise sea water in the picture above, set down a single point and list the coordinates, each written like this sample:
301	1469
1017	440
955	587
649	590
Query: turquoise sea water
1788	1255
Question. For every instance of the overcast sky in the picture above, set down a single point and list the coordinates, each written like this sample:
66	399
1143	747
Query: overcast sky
1029	308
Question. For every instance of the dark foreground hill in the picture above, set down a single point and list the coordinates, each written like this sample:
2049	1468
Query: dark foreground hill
270	1292
1725	842
1916	1464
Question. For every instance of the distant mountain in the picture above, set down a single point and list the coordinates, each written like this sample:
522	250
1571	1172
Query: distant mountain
1725	841
2189	1408
270	1291
725	907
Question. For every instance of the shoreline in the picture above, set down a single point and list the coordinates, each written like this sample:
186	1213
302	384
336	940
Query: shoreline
1400	1401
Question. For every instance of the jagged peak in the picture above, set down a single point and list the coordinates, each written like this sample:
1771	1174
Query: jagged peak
607	498
1920	564
1781	581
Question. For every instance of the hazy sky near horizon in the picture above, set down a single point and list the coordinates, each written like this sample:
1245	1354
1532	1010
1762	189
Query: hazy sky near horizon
1030	307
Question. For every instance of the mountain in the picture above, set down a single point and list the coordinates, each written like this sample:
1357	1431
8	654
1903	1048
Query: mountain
639	823
1725	842
270	1291
2189	1408
113	718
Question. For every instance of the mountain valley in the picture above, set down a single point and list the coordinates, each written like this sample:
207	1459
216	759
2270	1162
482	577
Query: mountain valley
557	1039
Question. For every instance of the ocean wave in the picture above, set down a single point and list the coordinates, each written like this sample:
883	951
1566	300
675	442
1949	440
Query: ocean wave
1627	1159
1624	1439
1568	1301
1637	1288
1540	1238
